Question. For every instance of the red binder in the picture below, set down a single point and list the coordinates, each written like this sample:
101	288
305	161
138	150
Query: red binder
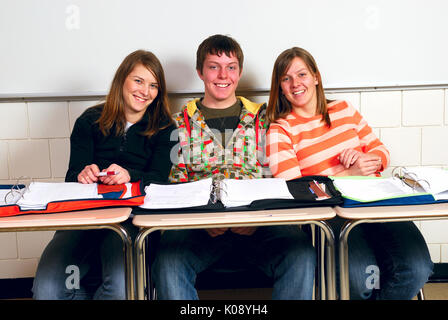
113	196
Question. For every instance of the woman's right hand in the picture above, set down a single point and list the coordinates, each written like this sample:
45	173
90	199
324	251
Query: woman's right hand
89	174
348	157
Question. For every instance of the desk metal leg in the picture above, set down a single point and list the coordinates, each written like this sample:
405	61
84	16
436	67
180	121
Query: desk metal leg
319	278
128	259
330	269
118	228
140	262
343	248
343	259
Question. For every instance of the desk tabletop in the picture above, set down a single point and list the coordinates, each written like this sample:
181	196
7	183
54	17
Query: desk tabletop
74	218
390	212
234	218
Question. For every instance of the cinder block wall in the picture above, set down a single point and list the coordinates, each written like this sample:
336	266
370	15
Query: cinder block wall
34	142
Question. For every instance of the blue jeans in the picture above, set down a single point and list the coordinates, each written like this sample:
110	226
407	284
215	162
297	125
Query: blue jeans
79	265
399	253
284	253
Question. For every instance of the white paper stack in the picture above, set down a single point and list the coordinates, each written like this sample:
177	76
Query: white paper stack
372	189
183	195
243	192
39	194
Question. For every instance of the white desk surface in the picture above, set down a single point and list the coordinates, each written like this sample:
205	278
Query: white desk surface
74	218
225	218
383	212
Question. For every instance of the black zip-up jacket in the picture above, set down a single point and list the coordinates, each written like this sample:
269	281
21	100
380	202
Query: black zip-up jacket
145	159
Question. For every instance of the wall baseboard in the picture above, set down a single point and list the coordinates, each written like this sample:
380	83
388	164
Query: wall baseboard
20	288
440	273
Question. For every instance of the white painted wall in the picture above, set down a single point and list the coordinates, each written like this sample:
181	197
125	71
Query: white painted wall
74	46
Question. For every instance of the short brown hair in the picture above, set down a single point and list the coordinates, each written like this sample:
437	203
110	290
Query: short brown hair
279	106
216	45
113	111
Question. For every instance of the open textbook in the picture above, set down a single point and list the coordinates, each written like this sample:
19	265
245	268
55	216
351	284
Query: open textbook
406	182
231	192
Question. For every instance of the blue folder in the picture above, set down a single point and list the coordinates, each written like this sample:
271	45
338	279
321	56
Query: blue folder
400	200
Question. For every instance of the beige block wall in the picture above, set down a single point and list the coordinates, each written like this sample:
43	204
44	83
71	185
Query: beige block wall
34	142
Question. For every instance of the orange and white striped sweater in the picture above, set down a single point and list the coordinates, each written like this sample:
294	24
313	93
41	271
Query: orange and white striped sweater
298	146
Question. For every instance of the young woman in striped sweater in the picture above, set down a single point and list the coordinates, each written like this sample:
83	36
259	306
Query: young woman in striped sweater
310	135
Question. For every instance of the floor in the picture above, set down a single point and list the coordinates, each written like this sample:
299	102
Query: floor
436	291
432	291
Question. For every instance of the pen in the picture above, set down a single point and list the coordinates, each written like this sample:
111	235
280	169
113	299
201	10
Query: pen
312	191
107	173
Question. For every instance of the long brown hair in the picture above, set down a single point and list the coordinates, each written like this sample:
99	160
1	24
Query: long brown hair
113	111
279	106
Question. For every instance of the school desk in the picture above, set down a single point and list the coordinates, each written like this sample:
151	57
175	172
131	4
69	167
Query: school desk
296	216
109	218
358	215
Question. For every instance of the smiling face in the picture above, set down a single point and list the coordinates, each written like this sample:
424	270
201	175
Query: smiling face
139	91
298	85
221	75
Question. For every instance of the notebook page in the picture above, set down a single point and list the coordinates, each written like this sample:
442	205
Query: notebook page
11	197
366	190
441	195
39	194
3	193
437	179
183	195
244	192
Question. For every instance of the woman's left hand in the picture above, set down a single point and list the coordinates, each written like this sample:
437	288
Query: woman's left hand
121	177
367	164
348	157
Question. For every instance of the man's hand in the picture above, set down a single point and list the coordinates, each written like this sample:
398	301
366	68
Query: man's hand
214	232
244	231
